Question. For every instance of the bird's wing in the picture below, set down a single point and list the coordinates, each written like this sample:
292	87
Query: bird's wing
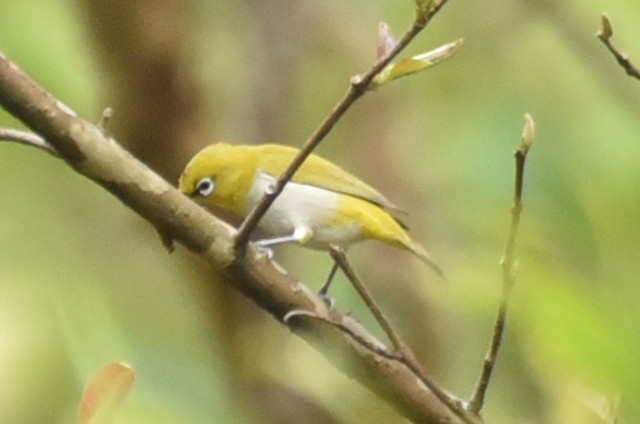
321	173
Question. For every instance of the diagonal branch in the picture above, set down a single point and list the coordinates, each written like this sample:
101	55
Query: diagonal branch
340	258
359	86
508	263
86	148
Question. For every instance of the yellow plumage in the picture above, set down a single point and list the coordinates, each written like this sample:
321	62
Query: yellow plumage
322	205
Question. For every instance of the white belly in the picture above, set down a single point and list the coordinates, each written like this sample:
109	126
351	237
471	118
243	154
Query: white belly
304	206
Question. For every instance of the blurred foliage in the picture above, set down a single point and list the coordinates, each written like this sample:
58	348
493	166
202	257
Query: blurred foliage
84	282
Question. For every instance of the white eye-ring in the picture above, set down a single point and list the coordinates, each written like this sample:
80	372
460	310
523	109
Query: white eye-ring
205	186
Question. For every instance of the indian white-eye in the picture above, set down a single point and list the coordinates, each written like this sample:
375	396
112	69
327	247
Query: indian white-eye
322	205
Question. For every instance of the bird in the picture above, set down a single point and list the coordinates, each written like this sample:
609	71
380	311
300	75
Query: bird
321	206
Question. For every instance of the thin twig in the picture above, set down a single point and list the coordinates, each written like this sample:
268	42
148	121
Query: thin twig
402	353
28	139
339	256
605	34
376	348
359	85
105	118
508	264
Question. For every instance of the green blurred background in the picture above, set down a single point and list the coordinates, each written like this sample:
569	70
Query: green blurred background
84	281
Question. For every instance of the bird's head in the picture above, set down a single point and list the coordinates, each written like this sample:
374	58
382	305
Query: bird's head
220	174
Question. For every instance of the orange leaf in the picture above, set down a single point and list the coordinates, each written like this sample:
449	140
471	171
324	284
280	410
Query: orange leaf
104	393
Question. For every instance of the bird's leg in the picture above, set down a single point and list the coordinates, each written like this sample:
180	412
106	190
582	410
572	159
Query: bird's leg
276	240
300	235
324	290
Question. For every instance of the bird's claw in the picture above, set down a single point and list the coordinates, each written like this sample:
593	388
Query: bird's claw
264	251
327	299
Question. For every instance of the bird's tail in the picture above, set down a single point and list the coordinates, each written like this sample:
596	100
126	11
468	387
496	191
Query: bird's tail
422	254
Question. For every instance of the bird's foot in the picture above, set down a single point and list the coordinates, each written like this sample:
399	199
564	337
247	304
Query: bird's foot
264	251
323	294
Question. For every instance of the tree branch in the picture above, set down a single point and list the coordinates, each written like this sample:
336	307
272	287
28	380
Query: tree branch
605	34
359	85
508	263
86	148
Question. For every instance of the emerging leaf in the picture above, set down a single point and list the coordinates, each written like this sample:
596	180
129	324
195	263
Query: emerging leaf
414	64
607	30
104	393
386	40
528	131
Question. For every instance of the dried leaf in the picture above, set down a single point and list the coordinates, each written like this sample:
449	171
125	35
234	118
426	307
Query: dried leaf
104	393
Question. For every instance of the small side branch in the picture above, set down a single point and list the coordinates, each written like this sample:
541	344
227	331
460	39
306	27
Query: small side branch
508	264
339	256
370	344
402	353
359	85
28	139
605	34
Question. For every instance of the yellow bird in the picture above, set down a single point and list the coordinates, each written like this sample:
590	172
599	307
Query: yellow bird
322	205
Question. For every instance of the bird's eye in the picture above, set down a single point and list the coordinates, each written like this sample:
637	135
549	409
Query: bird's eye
205	187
